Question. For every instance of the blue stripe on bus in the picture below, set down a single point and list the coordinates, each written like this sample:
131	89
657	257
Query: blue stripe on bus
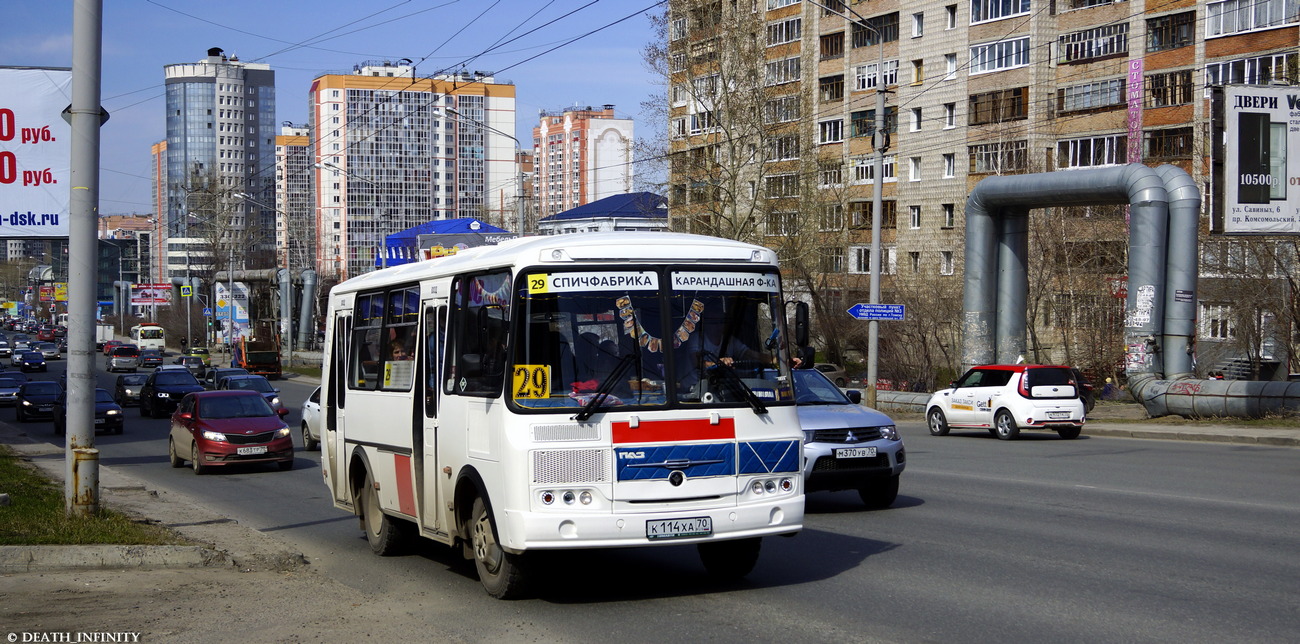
768	457
658	461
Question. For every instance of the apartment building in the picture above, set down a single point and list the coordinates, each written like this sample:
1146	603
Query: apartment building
975	88
295	222
391	151
582	155
220	156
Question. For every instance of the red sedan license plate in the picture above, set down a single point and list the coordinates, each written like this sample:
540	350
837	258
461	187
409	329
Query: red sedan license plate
250	451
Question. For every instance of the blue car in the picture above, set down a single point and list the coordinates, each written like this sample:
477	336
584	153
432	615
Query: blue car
32	361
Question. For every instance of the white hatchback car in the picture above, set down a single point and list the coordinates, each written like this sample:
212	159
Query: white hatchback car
1005	399
311	421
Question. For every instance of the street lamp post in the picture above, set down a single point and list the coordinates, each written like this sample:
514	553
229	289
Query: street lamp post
877	200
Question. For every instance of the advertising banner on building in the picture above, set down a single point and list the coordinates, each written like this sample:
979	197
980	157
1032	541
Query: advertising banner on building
1261	184
35	151
151	294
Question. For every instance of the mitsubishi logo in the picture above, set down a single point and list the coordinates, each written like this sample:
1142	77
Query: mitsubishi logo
850	437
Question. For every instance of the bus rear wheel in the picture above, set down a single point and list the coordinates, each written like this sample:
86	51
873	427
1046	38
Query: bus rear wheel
387	536
730	560
500	572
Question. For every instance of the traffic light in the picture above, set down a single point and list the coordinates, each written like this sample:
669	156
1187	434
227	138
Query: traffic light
218	323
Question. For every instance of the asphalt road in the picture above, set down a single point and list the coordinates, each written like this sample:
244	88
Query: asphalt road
1040	539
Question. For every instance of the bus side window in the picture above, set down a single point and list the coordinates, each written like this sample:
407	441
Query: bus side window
476	353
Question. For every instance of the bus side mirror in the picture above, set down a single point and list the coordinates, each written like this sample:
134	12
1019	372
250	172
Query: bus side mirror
801	324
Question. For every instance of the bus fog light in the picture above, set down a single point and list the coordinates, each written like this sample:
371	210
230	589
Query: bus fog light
569	497
548	497
756	487
787	485
585	497
770	486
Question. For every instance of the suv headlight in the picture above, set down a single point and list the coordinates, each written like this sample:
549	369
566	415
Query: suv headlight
889	432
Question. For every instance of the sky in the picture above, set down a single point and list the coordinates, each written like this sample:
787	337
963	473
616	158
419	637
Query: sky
527	42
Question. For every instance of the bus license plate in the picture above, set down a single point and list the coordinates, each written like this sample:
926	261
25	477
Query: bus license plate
249	451
679	528
1058	414
855	452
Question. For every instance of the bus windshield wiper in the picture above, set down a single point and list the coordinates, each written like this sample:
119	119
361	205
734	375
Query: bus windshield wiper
602	393
736	383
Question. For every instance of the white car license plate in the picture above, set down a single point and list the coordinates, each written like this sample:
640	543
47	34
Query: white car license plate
679	528
249	451
855	452
99	421
1058	414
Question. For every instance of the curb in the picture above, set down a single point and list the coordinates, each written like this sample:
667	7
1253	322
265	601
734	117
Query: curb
15	559
1284	438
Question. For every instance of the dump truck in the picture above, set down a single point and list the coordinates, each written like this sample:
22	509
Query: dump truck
259	355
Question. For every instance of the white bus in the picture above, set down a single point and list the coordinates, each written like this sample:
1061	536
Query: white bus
576	391
149	335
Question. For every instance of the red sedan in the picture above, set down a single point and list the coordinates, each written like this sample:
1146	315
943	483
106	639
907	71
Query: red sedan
216	428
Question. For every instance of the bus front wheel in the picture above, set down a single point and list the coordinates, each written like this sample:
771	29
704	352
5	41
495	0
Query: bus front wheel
385	534
730	560
500	572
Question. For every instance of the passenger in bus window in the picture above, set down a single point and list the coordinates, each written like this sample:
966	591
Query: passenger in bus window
398	351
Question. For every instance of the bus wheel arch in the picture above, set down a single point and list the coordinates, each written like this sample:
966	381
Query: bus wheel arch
387	535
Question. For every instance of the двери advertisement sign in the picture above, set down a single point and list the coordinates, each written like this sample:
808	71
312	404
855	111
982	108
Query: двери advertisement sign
35	151
1261	185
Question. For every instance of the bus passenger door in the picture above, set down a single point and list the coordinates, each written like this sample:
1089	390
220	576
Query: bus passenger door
333	413
431	483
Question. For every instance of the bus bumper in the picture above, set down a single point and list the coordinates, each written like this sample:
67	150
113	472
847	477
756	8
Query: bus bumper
544	531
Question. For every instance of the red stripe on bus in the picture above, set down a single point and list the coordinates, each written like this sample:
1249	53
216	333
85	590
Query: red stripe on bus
665	431
405	486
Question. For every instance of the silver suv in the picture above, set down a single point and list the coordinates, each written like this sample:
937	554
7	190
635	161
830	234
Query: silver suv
123	358
846	446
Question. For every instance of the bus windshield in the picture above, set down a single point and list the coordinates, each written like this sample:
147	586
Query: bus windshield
151	333
649	338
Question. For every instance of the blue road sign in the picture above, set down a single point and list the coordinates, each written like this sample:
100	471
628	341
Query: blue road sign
207	312
878	311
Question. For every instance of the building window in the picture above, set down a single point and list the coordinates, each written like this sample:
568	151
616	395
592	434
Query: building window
782	223
781	110
782	148
779	33
951	11
914	258
777	4
1091	96
999	106
783	71
677	63
866	36
861	260
1173	143
918	25
831	88
830	173
1084	4
914	216
863	123
677	29
679	128
781	185
1092	151
1236	16
831	131
949	165
914	169
1216	322
866	77
860	214
986	10
916	119
832	218
831	260
1252	71
949	115
1006	157
864	169
996	56
918	71
945	262
1170	32
1091	44
950	65
832	46
949	215
1170	88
